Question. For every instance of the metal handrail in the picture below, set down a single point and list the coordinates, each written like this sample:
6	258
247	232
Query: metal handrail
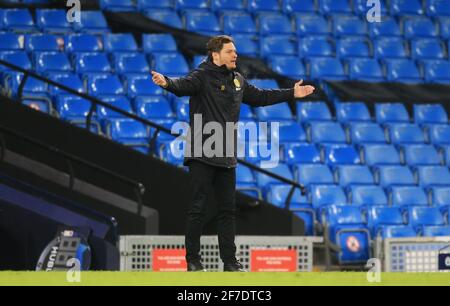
139	188
158	127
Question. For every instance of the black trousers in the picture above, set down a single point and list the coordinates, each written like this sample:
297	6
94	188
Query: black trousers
203	179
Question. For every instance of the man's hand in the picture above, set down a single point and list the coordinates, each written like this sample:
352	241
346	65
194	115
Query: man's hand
159	79
302	91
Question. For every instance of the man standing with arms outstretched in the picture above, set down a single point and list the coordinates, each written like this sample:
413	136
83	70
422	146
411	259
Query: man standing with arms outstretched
216	92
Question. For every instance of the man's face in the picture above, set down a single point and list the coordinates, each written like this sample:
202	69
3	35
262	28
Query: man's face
227	56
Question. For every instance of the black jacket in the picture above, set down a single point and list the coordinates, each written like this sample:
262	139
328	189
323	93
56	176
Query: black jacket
216	93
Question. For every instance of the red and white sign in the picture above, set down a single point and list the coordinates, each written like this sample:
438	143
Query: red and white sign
273	260
169	260
353	244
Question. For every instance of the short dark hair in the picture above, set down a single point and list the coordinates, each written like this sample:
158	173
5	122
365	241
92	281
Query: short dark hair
216	43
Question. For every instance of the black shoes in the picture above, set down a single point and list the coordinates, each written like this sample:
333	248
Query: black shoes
195	266
233	266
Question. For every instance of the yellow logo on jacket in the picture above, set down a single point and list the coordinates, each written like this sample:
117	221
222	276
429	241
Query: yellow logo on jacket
237	84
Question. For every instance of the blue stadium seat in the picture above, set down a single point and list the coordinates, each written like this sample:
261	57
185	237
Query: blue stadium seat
264	83
143	5
436	231
130	63
414	27
273	24
429	176
43	42
246	113
118	5
349	25
301	153
153	107
91	62
167	17
380	154
118	42
439	133
350	47
142	85
18	20
437	71
298	6
427	48
444	28
290	66
198	59
92	22
430	113
402	70
326	68
326	132
245	181
387	27
347	230
264	181
367	196
335	6
404	196
379	217
17	58
202	22
387	176
279	111
72	108
184	5
33	87
313	111
170	64
406	7
315	46
390	47
278	194
277	45
405	133
365	69
391	112
396	231
246	46
437	8
289	133
363	133
361	7
158	43
311	24
340	155
326	195
104	84
419	155
313	174
181	107
53	20
352	112
256	6
51	61
440	196
167	149
354	175
424	216
221	6
444	151
238	23
83	43
129	132
121	102
67	79
255	152
11	41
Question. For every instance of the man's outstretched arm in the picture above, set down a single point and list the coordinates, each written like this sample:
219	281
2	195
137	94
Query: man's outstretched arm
264	97
189	85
